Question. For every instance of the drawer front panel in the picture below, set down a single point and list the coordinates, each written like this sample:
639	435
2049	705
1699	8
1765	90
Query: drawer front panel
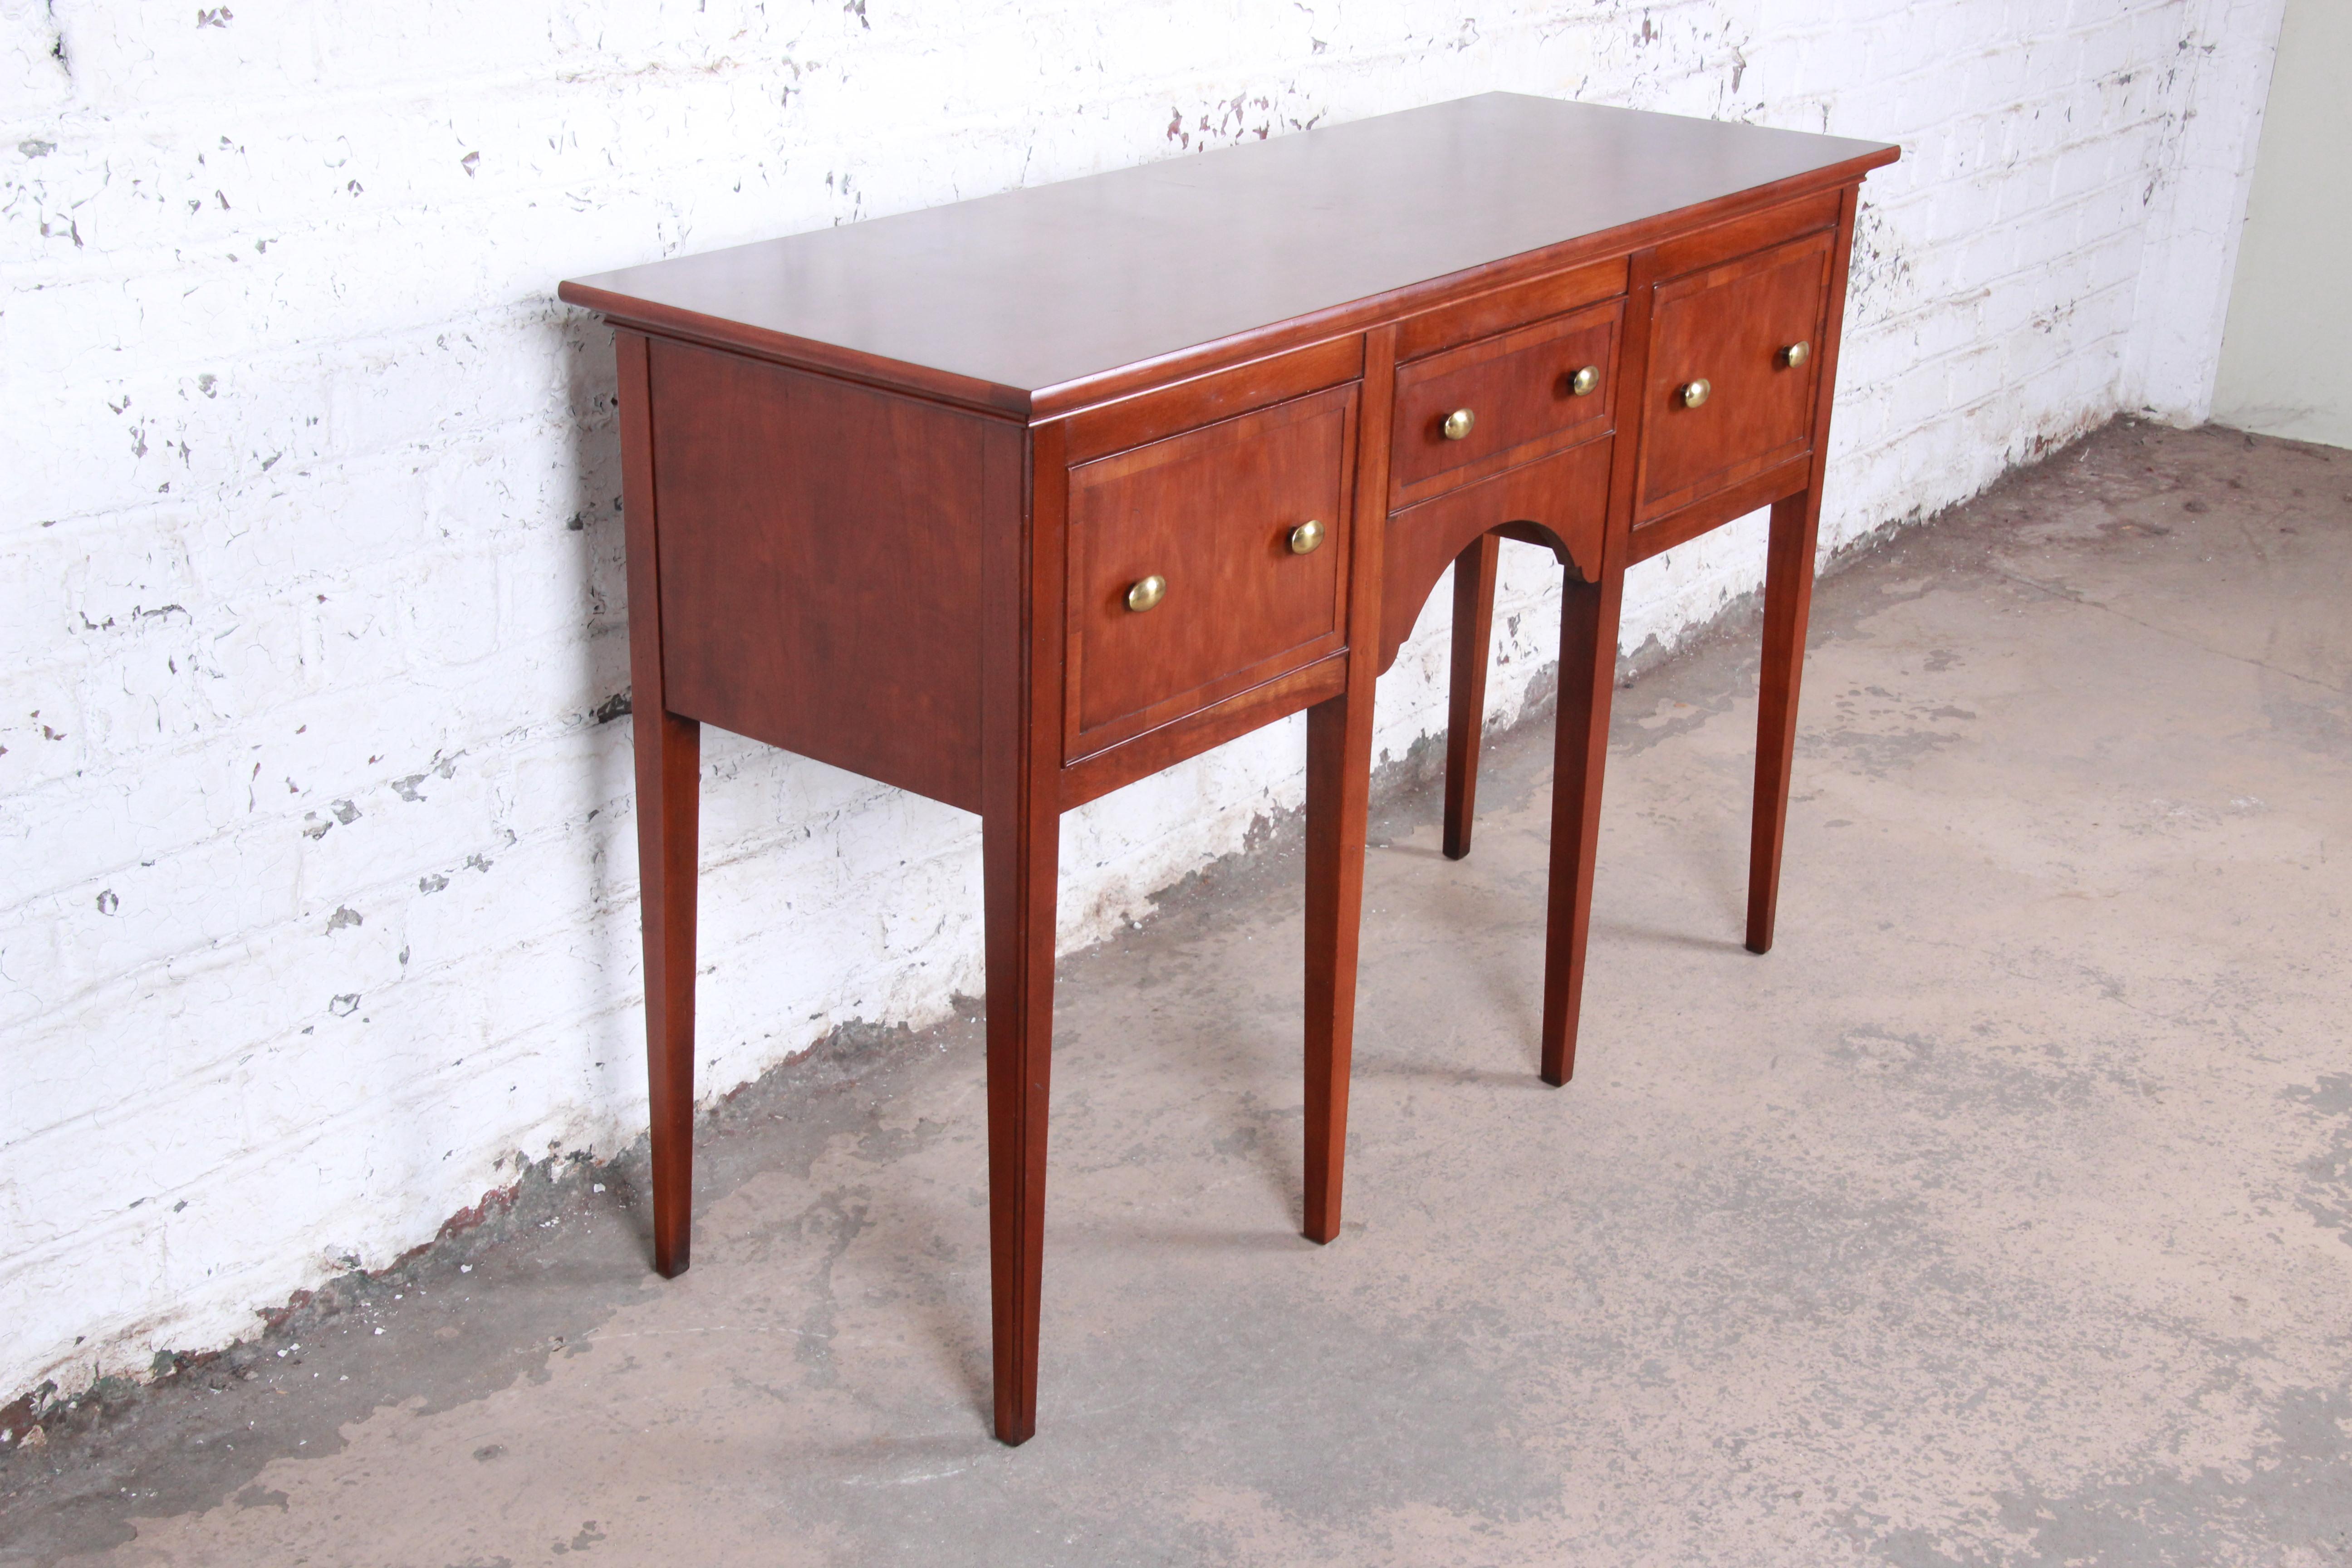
1731	328
1205	399
1722	242
1210	513
1515	305
1519	392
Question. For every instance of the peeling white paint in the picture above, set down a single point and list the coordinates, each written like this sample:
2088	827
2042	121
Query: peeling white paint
319	888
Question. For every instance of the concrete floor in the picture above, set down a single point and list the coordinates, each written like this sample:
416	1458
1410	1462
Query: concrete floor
2001	1216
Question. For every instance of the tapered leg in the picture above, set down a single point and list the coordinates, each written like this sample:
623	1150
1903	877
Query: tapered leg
1339	783
1465	714
669	808
1788	607
670	798
1020	851
1588	674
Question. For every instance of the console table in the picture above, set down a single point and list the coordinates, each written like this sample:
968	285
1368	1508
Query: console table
1014	501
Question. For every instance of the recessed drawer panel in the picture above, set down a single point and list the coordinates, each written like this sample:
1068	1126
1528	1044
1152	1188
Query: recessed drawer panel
1733	366
1469	411
1204	564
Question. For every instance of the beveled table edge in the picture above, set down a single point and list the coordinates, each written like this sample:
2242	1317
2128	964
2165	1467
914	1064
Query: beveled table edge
1036	405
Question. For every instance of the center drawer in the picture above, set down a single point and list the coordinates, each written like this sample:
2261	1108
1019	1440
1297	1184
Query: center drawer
1483	406
1204	564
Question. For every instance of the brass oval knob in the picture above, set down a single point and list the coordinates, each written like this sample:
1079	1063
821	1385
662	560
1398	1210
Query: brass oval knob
1796	354
1694	393
1307	538
1146	593
1584	382
1457	424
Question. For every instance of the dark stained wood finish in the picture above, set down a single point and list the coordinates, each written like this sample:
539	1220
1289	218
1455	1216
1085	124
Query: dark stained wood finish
1338	792
1791	484
1474	638
1109	428
1500	310
1040	300
1787	605
1211	512
1019	837
1729	325
1562	501
1588	677
1094	777
1747	234
863	492
1660	535
1788	608
1588	616
1519	387
670	798
882	480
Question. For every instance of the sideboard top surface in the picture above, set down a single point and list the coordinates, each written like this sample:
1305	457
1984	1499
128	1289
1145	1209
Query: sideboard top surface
1001	297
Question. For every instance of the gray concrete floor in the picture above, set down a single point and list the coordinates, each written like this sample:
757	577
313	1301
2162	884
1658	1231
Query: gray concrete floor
2001	1216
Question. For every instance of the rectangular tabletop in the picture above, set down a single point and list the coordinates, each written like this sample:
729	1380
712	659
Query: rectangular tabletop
1001	297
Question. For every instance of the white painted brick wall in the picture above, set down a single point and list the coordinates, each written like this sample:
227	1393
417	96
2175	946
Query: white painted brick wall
317	879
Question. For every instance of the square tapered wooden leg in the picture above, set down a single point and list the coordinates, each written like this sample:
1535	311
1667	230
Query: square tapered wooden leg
1338	786
1588	674
1465	710
1788	607
1020	850
669	791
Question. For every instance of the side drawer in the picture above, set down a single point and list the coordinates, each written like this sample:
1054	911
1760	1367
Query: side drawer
1734	367
1204	564
1471	411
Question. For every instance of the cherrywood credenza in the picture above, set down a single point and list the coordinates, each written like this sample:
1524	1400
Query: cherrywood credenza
1014	501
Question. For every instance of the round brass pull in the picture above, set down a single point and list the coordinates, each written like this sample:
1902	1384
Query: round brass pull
1307	538
1796	354
1146	593
1694	393
1584	382
1457	424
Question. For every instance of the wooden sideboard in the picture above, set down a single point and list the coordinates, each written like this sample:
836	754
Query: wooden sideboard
1016	501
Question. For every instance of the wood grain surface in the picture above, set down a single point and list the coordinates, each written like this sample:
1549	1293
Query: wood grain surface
1000	299
1210	513
1519	386
820	566
889	487
1730	325
1560	501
